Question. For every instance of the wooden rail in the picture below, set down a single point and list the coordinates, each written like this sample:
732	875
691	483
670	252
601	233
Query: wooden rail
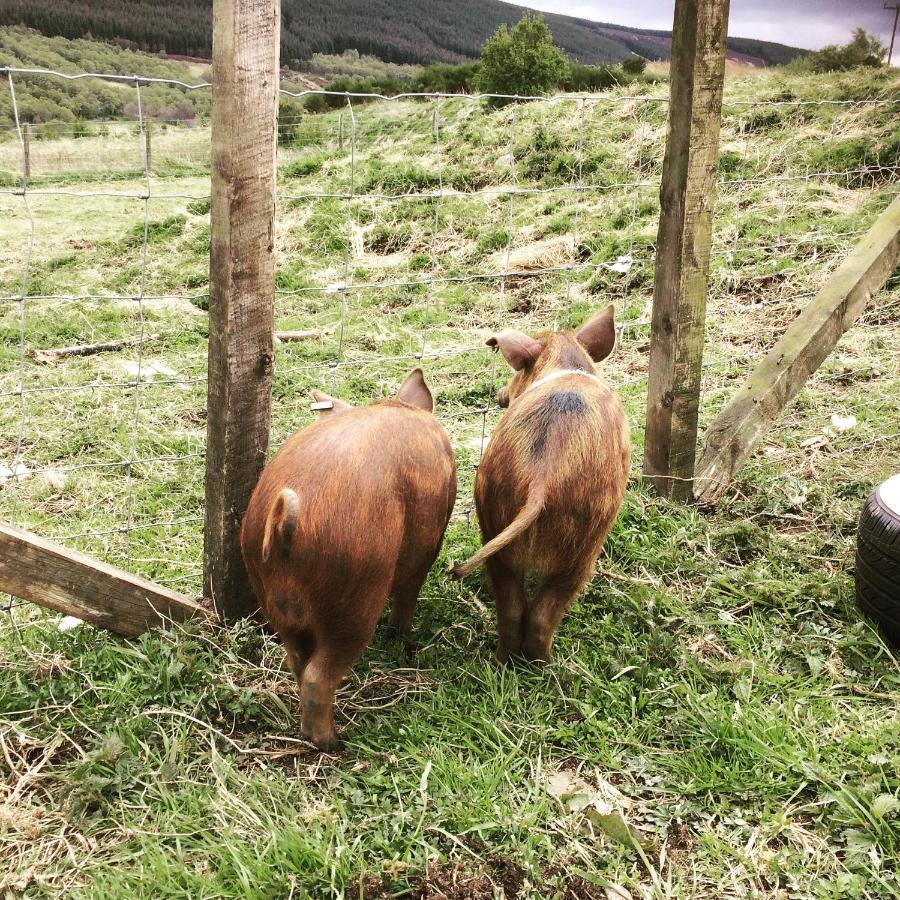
75	584
806	343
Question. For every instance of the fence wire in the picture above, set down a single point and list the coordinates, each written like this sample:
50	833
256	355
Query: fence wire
113	464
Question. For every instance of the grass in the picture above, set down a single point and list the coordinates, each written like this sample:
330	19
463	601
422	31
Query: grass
716	673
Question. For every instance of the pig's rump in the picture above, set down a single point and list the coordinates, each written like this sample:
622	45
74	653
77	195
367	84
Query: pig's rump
566	450
362	480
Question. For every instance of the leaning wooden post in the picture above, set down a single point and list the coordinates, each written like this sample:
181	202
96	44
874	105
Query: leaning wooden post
803	347
77	585
682	250
26	151
241	284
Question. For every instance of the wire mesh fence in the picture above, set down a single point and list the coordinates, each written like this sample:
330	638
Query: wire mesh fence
408	230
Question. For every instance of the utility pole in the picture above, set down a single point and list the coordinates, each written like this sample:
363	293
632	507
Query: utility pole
896	9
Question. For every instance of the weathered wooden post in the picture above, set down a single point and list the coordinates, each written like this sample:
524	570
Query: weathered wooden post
246	37
808	340
26	151
682	251
148	158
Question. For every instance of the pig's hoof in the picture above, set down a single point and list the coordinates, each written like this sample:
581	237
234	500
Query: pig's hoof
327	742
410	646
454	574
537	654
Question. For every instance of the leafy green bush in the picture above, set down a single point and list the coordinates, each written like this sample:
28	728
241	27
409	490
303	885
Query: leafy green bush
346	84
585	79
290	112
523	61
634	65
863	50
316	103
445	78
80	128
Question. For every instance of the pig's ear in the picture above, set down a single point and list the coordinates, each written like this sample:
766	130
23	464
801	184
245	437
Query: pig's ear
415	392
598	335
325	405
518	349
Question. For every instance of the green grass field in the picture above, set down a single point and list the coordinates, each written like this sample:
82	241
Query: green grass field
715	685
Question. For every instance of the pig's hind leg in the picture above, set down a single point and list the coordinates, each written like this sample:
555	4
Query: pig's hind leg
404	597
553	600
338	646
321	678
298	647
508	589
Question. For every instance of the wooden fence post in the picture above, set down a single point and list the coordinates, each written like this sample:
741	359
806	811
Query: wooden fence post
148	158
682	250
241	284
26	151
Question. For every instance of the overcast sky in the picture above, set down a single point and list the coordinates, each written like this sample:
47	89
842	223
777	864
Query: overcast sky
800	23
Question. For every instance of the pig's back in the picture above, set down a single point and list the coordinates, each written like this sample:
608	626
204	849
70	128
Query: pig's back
366	481
574	439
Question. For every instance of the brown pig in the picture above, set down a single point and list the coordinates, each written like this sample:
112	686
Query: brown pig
350	511
551	480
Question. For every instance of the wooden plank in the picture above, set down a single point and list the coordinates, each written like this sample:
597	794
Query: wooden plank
242	284
687	196
26	151
803	347
72	583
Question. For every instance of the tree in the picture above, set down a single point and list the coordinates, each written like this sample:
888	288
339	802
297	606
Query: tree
863	50
523	61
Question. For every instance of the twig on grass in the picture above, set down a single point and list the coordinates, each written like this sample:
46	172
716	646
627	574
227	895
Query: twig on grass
54	354
308	334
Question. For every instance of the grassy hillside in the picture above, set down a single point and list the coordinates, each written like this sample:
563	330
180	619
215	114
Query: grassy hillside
716	683
42	100
406	32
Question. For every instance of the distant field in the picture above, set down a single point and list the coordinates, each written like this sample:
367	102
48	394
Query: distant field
716	680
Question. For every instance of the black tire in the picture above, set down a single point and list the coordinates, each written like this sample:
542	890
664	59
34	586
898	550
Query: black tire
878	559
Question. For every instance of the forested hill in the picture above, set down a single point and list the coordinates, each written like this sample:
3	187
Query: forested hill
411	31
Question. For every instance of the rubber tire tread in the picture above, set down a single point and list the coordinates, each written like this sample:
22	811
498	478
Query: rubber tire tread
878	566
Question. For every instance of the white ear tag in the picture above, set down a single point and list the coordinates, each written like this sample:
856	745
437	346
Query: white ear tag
322	404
